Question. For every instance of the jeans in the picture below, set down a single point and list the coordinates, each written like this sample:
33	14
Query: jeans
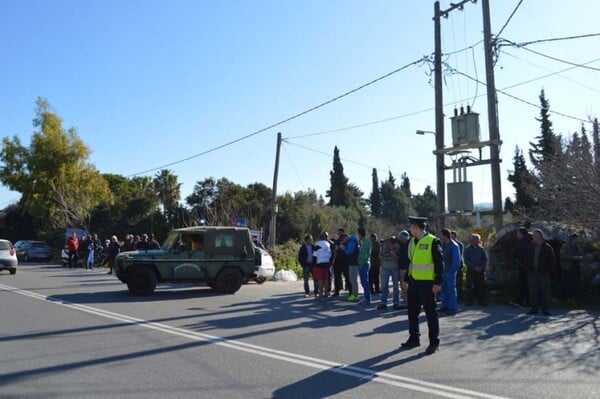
449	290
385	281
306	272
364	281
353	271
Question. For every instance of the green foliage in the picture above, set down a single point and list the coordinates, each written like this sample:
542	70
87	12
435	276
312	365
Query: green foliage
339	182
426	204
396	204
548	144
285	257
59	188
168	190
375	197
522	179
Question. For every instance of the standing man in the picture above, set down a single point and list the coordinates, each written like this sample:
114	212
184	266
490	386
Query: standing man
519	254
459	274
364	264
422	283
375	270
539	263
351	248
571	256
340	267
476	259
452	263
306	260
113	250
72	246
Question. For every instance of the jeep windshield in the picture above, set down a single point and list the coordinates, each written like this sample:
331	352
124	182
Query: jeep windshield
171	241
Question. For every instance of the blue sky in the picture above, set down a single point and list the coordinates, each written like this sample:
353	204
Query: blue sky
148	83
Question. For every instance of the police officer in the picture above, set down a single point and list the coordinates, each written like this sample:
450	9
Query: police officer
423	282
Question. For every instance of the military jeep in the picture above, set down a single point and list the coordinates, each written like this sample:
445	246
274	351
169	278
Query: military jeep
222	257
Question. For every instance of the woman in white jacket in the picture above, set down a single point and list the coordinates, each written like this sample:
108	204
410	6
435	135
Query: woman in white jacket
321	270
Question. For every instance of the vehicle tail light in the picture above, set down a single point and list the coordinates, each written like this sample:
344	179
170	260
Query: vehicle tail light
12	249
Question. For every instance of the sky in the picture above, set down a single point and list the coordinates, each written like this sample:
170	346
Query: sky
152	83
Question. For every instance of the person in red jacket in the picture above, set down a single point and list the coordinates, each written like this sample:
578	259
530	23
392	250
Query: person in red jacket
72	246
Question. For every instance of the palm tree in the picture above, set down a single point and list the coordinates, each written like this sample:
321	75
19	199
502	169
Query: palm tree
167	189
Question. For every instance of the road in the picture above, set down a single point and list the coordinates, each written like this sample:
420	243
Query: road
75	333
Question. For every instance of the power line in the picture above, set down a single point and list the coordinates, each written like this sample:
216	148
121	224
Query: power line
285	120
524	101
552	73
509	18
554	39
560	59
349	160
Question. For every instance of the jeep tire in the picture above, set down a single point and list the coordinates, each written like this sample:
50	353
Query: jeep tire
229	280
141	281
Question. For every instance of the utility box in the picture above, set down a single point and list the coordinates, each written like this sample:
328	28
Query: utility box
460	196
465	127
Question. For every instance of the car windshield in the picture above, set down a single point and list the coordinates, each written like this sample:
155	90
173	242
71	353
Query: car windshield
171	240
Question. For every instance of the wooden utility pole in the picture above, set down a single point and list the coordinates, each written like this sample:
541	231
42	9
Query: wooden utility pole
492	107
273	224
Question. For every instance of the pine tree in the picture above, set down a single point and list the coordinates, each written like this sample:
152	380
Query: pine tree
339	183
522	179
405	185
375	197
548	144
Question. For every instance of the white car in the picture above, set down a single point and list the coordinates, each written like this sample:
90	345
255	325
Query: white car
264	269
8	257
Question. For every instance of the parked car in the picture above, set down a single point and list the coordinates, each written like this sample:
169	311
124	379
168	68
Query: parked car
264	266
8	257
34	250
222	257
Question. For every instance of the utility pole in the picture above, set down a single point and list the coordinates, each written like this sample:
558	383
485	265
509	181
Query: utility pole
492	107
273	224
439	110
439	121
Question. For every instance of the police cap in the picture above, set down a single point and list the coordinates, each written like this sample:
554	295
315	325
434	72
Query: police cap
419	221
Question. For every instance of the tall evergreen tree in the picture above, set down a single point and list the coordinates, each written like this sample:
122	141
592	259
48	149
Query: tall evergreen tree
548	144
596	140
405	185
426	204
339	183
375	197
522	179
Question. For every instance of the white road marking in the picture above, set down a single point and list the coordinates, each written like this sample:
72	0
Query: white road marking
445	391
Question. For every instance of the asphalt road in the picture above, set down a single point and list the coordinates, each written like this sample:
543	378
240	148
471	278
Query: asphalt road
75	333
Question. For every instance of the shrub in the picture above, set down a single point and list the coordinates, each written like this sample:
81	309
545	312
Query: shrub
285	257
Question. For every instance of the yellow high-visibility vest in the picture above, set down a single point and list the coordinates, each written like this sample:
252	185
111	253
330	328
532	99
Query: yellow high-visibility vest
421	259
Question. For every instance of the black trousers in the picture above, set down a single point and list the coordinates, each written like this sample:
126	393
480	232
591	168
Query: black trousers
419	295
374	279
340	269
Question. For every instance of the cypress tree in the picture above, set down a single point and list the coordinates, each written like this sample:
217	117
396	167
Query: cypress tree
339	183
375	197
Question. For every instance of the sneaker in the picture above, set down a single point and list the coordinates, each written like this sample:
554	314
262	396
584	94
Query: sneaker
397	306
306	296
364	302
411	343
352	298
381	306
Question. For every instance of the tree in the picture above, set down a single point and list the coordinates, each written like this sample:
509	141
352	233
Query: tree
203	198
168	191
405	185
134	209
59	187
375	197
571	187
339	183
426	204
396	205
522	180
548	144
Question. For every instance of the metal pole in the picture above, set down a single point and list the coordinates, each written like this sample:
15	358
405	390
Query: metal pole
273	225
492	106
439	120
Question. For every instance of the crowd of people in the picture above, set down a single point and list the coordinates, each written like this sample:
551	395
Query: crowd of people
89	251
426	270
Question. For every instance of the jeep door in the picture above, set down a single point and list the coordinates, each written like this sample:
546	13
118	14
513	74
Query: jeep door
187	258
